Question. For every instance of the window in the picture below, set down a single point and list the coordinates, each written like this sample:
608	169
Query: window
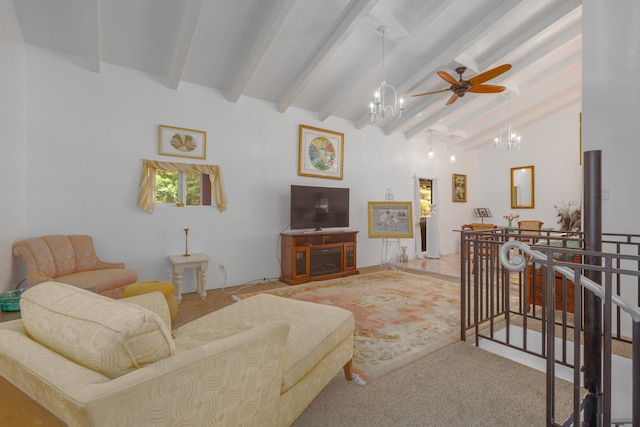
190	189
210	182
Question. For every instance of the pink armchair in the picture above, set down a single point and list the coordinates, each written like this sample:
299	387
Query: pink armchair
72	260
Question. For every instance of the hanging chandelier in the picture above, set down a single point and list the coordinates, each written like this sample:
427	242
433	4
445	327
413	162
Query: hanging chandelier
383	114
511	140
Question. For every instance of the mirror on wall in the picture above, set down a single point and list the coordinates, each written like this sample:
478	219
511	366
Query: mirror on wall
522	188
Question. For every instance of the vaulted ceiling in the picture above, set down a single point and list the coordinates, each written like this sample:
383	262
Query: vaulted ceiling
325	56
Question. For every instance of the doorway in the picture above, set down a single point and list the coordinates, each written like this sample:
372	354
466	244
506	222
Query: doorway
425	193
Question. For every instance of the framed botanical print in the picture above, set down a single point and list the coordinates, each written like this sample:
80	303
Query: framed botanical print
320	153
459	188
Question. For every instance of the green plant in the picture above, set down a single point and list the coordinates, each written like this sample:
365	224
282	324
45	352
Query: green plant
569	218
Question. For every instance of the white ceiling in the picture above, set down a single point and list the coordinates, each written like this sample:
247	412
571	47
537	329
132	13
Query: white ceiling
325	56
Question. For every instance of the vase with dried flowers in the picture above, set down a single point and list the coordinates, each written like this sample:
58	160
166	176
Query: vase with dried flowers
510	218
569	218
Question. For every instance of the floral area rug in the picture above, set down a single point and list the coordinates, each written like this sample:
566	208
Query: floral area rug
399	317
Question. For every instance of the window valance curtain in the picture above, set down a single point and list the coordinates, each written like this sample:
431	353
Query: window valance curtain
147	187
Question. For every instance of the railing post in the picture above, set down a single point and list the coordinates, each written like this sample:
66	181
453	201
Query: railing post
635	375
592	303
463	286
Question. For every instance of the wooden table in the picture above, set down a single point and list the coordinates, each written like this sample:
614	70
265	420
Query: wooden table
198	261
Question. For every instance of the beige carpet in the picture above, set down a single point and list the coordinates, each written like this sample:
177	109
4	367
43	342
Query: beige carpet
399	317
459	385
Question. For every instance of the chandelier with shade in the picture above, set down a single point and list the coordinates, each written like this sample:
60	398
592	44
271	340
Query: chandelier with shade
509	141
385	108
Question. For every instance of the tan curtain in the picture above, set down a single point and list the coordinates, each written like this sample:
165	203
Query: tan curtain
147	187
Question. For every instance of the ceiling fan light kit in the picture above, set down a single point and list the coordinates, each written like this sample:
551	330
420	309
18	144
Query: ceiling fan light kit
383	114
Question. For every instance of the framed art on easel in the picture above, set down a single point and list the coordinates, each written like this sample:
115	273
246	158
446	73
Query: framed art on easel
390	219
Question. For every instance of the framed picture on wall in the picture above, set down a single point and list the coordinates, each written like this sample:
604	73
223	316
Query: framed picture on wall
181	142
390	219
459	188
320	153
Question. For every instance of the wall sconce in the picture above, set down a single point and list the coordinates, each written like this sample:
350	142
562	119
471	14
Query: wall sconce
431	155
452	159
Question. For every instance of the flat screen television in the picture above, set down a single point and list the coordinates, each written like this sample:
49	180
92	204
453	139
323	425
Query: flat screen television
319	207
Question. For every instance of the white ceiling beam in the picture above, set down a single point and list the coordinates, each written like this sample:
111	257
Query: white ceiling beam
263	28
336	36
344	93
535	116
92	34
188	29
452	50
539	80
556	43
565	9
525	115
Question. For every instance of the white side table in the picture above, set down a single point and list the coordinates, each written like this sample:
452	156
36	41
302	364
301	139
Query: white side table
198	261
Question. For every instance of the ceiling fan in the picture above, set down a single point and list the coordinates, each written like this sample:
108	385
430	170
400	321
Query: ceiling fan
461	87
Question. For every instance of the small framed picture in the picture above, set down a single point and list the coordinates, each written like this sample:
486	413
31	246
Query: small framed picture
459	188
320	153
483	212
181	142
390	219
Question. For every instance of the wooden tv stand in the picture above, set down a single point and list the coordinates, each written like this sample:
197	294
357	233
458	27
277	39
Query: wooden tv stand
317	255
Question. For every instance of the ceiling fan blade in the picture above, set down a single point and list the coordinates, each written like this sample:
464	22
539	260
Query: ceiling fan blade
488	75
431	93
453	99
448	78
486	89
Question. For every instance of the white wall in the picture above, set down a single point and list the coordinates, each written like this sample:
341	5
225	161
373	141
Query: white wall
611	43
88	132
610	119
552	146
12	141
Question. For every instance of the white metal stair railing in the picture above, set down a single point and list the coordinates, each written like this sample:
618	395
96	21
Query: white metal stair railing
517	262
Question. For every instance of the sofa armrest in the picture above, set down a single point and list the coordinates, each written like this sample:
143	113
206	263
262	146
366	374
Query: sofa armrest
231	381
35	277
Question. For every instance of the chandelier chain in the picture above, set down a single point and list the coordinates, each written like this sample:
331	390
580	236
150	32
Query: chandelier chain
383	114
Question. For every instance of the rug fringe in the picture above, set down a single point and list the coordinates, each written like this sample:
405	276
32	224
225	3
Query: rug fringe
357	380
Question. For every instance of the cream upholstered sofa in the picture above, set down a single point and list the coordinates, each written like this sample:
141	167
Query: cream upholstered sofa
95	361
72	260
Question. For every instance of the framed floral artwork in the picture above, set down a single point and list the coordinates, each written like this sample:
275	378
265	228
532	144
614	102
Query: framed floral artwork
181	142
390	219
459	188
320	153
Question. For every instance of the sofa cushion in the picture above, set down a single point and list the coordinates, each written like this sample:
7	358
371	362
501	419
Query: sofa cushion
62	252
85	256
105	335
315	329
100	280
